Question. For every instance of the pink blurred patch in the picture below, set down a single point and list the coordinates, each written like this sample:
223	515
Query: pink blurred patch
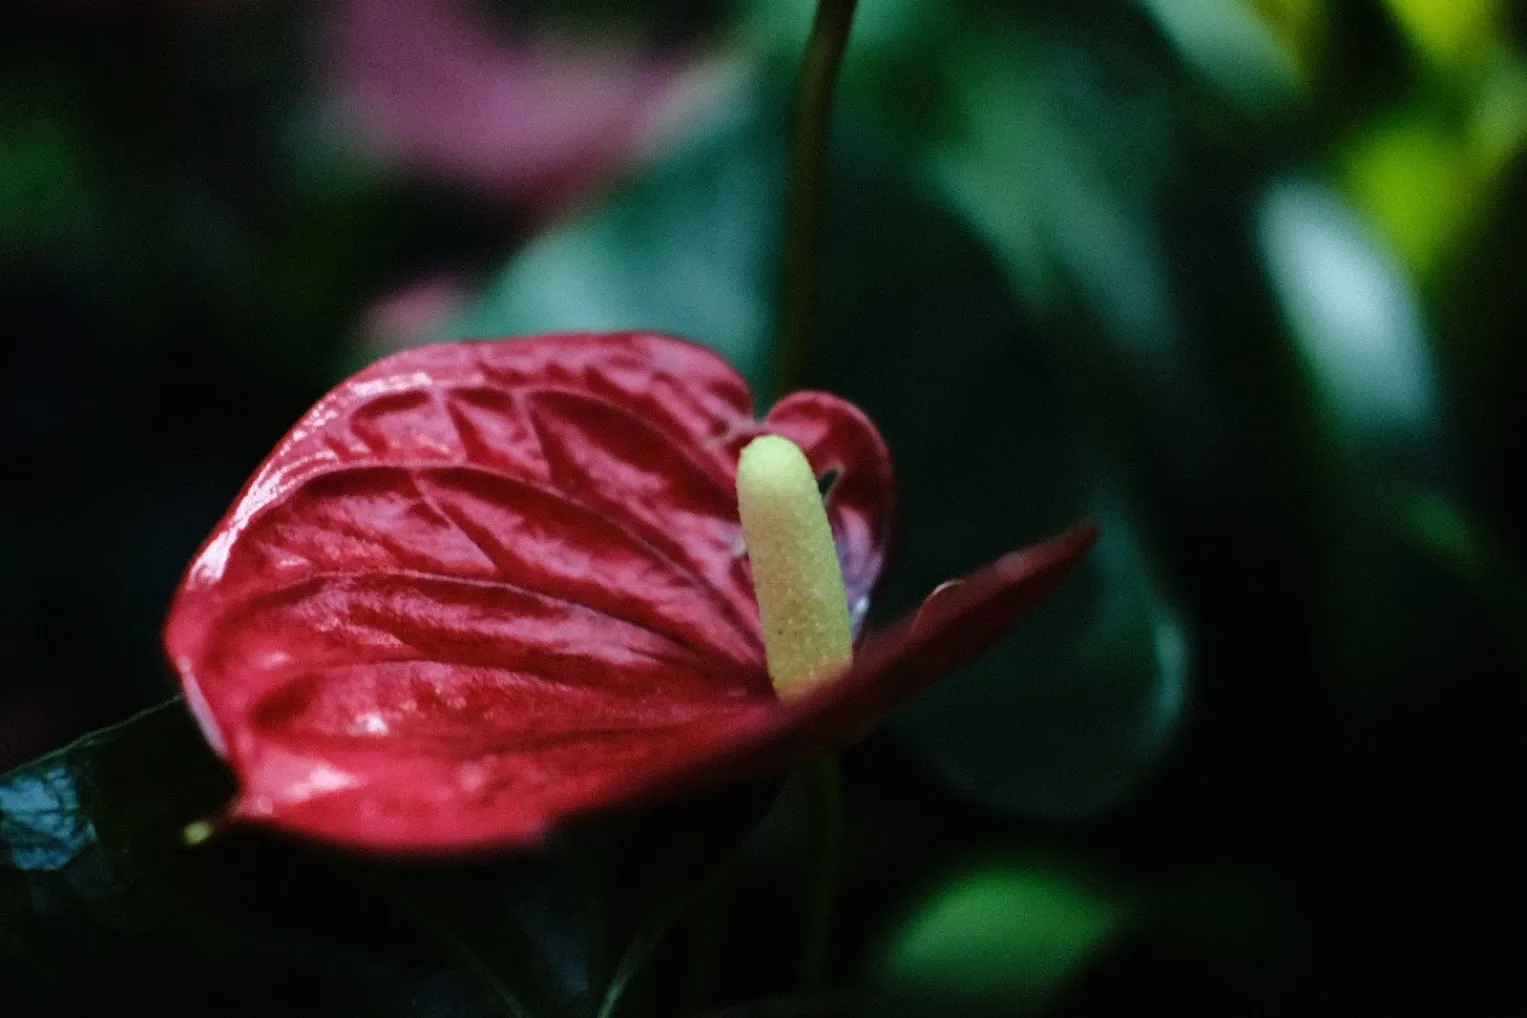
413	315
432	86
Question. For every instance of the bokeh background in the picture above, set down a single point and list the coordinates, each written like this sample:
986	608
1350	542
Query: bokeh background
1241	279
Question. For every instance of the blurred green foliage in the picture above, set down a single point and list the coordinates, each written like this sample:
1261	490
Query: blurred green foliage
1238	279
1001	939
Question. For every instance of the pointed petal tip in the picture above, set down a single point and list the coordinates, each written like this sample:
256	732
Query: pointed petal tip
1074	541
955	625
1025	575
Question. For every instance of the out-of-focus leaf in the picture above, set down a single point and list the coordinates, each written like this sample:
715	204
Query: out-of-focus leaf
1355	320
686	249
1449	33
1001	939
1396	619
918	327
1055	158
48	201
1426	180
1473	553
1419	187
1498	122
1235	46
1068	714
95	876
1060	152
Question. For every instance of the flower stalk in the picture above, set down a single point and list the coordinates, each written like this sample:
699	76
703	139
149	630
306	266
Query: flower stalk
797	304
803	201
824	789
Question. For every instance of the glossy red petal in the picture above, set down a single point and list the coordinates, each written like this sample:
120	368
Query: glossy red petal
482	761
483	586
956	625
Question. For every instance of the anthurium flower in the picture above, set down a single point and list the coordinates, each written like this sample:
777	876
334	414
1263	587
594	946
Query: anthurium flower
482	588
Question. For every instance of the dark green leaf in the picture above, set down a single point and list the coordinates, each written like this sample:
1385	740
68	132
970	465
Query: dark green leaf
1399	616
1237	46
95	876
1069	713
1355	319
1473	553
113	800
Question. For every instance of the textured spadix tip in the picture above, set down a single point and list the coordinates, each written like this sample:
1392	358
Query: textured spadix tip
796	576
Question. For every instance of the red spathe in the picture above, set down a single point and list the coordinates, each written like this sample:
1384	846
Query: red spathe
484	587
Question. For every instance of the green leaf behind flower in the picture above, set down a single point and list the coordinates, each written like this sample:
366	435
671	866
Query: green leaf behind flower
1001	939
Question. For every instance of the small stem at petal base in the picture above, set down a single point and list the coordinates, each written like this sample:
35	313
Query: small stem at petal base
825	788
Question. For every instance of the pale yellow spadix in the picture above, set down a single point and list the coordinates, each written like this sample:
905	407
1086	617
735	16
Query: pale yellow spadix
796	576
